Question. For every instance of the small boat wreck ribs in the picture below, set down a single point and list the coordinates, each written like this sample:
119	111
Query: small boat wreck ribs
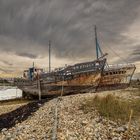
82	77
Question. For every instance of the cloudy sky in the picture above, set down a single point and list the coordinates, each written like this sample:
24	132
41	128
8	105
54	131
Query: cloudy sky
26	26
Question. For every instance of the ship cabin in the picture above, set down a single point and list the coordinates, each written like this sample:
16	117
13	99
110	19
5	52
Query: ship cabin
32	73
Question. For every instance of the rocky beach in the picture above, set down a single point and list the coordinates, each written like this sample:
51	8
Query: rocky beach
63	119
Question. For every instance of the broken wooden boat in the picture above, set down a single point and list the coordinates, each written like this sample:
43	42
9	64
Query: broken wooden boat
80	77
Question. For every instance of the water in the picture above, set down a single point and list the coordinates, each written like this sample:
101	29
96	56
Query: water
9	93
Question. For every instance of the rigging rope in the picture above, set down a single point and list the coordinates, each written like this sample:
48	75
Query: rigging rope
117	55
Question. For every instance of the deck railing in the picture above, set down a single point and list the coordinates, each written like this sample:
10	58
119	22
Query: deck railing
119	66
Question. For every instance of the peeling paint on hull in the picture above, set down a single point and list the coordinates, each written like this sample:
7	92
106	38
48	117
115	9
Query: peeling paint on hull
88	81
83	83
78	78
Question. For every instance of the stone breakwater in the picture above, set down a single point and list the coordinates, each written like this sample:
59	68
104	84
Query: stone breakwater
72	123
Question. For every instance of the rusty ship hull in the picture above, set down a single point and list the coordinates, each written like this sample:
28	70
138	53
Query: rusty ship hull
82	77
63	87
116	76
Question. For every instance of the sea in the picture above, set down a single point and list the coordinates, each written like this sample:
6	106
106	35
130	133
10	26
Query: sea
7	93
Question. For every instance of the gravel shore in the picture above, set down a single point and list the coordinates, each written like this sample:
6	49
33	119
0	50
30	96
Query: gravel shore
72	123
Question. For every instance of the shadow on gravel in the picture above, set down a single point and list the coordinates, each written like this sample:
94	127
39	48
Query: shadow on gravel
8	120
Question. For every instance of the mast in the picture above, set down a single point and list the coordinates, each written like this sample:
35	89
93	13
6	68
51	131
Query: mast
49	56
33	64
33	69
96	42
99	52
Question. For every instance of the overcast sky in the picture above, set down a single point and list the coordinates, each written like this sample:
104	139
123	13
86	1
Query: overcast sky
26	26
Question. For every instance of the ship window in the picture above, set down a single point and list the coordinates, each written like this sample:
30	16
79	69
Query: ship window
97	63
124	71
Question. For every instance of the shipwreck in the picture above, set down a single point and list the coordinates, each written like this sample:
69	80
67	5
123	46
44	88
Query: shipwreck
83	77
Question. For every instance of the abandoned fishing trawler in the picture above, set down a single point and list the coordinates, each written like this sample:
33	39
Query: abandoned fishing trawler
114	76
78	78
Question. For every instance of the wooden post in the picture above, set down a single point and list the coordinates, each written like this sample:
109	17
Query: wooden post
49	56
62	91
39	87
129	123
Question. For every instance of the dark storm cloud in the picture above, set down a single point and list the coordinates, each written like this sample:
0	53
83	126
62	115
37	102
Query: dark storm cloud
5	71
136	51
68	23
135	55
27	55
7	62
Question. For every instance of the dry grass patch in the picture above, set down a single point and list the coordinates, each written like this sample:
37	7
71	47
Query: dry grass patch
112	107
